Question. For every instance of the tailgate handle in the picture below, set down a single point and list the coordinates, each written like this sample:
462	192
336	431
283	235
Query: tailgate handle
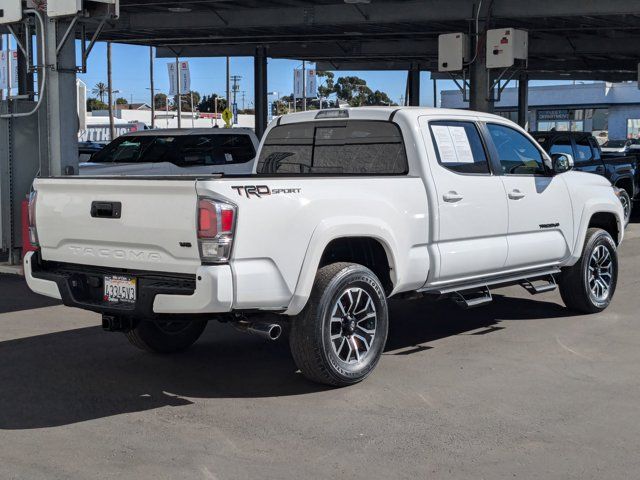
106	209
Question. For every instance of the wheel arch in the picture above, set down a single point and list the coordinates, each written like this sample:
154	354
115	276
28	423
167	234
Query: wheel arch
333	243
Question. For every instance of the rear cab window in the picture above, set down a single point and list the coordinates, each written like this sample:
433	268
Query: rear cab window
343	147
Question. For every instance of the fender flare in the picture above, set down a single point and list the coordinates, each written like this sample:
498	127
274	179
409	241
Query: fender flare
333	229
591	208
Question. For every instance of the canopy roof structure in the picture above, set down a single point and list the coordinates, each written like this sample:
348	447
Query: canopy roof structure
585	39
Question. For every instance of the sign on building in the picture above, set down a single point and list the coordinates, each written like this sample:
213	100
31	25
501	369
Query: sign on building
312	83
8	62
184	75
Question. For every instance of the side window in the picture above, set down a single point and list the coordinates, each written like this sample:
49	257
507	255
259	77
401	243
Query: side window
518	155
561	145
583	150
459	147
219	149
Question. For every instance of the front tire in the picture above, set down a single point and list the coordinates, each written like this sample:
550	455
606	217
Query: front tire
627	205
589	285
340	335
165	337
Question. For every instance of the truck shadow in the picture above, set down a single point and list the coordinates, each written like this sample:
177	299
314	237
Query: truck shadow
16	296
73	376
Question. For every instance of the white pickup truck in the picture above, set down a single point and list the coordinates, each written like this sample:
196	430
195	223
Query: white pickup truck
346	209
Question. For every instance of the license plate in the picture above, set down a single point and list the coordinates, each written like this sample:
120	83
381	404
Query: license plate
119	289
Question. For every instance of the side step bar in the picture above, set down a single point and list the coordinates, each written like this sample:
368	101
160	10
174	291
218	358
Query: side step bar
541	285
472	298
474	294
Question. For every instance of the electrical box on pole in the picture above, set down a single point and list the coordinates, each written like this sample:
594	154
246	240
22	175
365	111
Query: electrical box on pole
453	52
63	8
505	46
10	11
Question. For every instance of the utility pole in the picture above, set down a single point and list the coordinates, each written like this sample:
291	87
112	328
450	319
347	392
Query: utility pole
112	129
151	86
243	96
179	96
228	83
235	79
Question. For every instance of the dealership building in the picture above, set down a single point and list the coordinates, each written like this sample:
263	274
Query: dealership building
588	107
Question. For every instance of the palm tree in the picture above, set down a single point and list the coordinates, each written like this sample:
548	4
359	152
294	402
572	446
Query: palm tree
100	90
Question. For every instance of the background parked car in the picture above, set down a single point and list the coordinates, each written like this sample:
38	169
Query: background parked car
619	147
176	152
87	149
622	171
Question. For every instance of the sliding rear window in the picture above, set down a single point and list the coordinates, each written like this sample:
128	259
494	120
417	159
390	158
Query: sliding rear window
347	147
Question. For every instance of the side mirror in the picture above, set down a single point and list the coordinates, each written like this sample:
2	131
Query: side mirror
562	162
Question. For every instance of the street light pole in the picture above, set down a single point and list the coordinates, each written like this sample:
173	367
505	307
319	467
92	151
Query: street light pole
151	85
179	93
112	129
304	85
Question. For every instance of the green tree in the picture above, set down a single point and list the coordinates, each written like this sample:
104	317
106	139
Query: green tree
100	90
353	90
96	104
327	85
186	100
160	99
379	98
121	101
207	104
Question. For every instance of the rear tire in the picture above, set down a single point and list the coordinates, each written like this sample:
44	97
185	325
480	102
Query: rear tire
340	335
589	285
165	337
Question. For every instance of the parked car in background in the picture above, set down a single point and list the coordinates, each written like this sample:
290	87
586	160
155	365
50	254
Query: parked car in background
176	152
619	147
622	171
346	209
86	150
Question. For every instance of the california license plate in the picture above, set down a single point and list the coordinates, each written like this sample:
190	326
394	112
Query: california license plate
118	289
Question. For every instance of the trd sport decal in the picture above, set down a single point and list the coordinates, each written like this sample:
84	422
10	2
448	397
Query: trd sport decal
263	190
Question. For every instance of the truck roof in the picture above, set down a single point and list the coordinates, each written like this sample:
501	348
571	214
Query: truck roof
175	132
384	113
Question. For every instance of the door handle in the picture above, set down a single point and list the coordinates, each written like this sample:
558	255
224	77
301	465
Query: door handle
516	194
452	197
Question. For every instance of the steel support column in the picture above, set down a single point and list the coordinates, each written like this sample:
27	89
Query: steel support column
479	75
414	86
260	90
61	102
523	100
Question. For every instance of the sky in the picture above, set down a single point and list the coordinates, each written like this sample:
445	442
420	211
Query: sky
131	75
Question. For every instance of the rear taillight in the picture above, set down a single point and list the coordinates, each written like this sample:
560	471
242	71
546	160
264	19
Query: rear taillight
216	225
33	232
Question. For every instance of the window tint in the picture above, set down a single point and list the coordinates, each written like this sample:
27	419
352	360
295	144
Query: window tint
583	150
344	147
459	147
123	150
214	150
517	154
561	145
183	150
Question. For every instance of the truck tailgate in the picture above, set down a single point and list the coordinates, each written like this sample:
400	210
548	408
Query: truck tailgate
155	229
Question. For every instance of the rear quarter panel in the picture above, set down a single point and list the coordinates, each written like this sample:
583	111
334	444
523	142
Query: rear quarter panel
281	235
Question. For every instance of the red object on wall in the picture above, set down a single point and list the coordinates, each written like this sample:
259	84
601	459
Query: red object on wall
26	244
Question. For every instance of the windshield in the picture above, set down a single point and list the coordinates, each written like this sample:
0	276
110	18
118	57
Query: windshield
186	150
615	144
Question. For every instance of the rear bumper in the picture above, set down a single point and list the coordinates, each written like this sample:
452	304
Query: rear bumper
210	290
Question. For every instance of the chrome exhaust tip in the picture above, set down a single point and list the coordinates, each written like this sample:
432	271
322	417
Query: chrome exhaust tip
268	331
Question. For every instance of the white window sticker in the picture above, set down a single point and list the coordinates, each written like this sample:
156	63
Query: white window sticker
453	144
445	144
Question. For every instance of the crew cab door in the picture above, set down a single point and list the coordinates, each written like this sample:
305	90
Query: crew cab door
540	212
471	201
